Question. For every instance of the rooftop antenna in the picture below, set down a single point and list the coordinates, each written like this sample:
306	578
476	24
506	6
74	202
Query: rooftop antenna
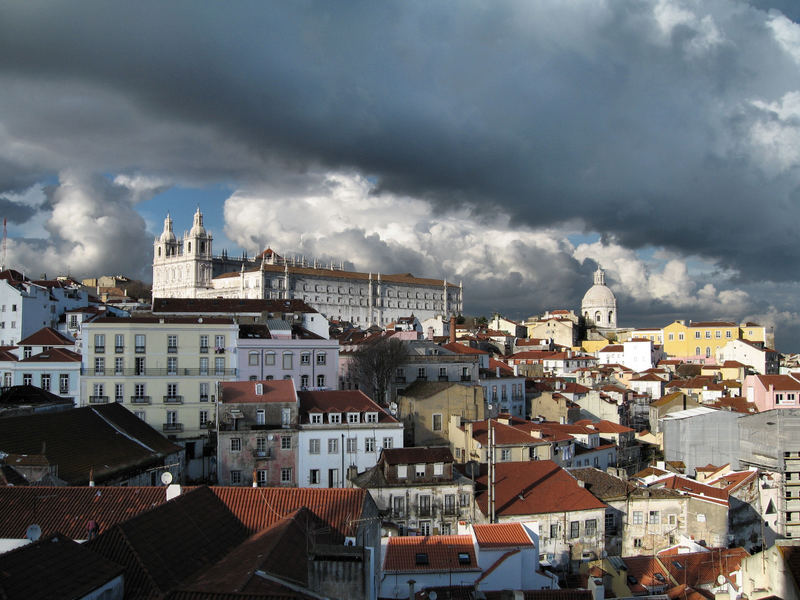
5	237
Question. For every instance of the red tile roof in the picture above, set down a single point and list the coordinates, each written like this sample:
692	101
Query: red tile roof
440	553
69	509
258	508
695	489
501	535
46	336
340	401
644	569
779	382
462	349
53	355
278	390
503	434
702	568
228	306
536	487
418	455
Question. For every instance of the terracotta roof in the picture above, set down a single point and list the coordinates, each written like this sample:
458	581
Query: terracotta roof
779	382
418	455
695	489
501	535
278	390
228	306
434	553
602	485
46	336
165	319
54	566
613	348
535	487
702	568
258	508
503	434
462	349
69	509
648	377
646	571
106	439
708	324
604	426
340	401
163	547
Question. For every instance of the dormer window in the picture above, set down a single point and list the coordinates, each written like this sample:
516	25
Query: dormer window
352	417
335	418
371	417
316	418
420	470
402	471
438	469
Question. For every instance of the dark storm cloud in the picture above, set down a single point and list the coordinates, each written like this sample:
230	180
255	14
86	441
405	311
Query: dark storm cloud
588	110
14	211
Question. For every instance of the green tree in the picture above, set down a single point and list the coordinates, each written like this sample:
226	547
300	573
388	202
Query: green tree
374	365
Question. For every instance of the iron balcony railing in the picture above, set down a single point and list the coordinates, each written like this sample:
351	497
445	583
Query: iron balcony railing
172	427
98	399
159	372
173	399
140	399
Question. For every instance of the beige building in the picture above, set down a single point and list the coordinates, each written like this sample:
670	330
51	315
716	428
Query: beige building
163	369
425	408
772	573
470	441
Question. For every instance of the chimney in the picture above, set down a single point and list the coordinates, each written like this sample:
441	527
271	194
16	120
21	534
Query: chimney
255	480
497	372
411	583
452	329
516	370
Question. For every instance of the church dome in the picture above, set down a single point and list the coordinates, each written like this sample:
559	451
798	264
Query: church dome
167	235
197	229
599	305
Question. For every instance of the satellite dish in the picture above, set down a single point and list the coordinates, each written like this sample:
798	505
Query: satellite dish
432	595
33	532
166	478
720	579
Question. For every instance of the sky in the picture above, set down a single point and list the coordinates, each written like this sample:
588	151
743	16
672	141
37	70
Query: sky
514	146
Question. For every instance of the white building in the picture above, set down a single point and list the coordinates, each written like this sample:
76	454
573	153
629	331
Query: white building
599	305
341	431
187	268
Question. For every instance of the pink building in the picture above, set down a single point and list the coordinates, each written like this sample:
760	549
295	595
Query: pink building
773	391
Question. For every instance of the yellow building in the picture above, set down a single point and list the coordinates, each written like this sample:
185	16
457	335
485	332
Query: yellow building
697	342
425	408
163	369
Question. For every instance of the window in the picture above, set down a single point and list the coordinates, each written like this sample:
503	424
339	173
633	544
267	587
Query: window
219	366
269	359
352	445
286	474
680	337
236	444
140	414
335	418
261	477
287	360
172	365
637	517
369	444
286	442
419	470
574	529
320	380
425	529
119	343
717	334
697	335
44	381
204	392
352	417
219	344
99	391
437	422
139	391
27	379
172	344
708	352
252	358
610	524
398	506
387	442
728	334
203	344
402	471
671	336
119	392
424	505
303	381
313	446
637	542
99	342
63	383
203	418
139	343
313	477
286	417
236	477
438	469
422	373
554	530
321	358
653	518
697	351
99	365
203	365
26	352
590	527
119	365
708	335
333	446
672	519
172	417
505	455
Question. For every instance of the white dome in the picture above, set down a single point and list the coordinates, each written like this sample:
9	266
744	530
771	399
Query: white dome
599	305
599	296
197	229
167	235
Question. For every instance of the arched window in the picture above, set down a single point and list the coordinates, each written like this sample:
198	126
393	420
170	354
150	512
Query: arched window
597	317
708	352
188	246
697	351
202	247
610	315
159	251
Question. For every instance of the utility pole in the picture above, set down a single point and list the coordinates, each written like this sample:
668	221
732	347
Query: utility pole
491	473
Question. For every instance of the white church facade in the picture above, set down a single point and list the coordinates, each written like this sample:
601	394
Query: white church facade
599	305
187	268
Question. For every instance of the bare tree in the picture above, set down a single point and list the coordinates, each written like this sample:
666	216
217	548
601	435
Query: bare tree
374	365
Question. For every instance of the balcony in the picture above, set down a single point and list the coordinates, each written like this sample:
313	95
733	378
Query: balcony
262	453
172	349
203	349
160	372
139	349
400	379
119	349
98	399
422	378
140	400
173	427
203	397
99	349
173	399
466	378
219	350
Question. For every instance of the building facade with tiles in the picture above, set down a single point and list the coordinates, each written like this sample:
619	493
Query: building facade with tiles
187	268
